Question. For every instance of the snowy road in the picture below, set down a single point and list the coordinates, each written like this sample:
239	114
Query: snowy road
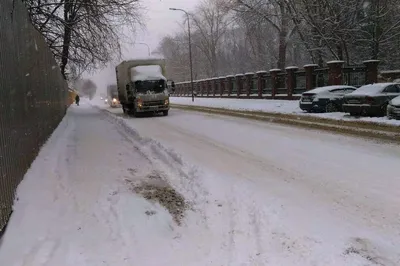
260	194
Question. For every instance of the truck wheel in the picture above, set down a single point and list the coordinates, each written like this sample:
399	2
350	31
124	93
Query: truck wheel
123	109
135	114
165	113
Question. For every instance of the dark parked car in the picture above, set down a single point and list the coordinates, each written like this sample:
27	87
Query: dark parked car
325	99
371	99
393	108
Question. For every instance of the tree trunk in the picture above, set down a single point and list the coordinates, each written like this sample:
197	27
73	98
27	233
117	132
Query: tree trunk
283	37
68	20
339	49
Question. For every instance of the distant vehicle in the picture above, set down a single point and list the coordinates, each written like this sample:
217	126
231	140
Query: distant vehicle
325	99
112	96
393	108
371	100
142	86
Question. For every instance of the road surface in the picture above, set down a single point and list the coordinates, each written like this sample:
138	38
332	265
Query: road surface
257	194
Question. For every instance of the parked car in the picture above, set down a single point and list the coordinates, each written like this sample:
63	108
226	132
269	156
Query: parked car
325	99
371	99
393	108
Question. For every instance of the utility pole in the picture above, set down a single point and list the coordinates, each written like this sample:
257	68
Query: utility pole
148	47
190	50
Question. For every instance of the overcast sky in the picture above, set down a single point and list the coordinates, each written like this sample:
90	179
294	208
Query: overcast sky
159	21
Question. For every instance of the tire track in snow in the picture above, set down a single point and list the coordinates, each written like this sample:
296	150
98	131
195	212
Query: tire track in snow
181	176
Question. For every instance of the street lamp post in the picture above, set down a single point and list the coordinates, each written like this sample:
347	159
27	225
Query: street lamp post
148	47
190	50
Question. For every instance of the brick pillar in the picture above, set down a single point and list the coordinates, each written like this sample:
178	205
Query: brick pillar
239	84
249	83
195	88
311	81
229	84
214	85
201	87
291	80
275	81
335	72
371	71
207	87
221	81
260	82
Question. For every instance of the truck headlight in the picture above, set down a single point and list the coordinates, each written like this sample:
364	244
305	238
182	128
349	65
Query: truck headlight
114	100
166	102
139	103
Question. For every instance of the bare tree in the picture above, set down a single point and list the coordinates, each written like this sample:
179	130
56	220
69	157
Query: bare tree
210	21
274	13
379	29
86	87
84	34
265	34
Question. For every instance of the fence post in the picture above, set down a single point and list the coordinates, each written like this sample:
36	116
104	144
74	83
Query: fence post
181	92
229	84
274	80
186	89
310	78
221	85
249	83
196	88
207	84
335	72
291	80
201	87
214	85
371	71
260	82
239	84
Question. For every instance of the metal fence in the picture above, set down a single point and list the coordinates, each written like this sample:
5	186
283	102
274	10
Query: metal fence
33	98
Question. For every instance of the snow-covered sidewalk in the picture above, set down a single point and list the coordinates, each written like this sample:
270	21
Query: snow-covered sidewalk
83	201
273	106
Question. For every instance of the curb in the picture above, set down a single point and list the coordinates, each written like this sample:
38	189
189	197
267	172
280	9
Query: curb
356	128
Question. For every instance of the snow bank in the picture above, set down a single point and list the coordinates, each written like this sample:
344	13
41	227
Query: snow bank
150	72
273	106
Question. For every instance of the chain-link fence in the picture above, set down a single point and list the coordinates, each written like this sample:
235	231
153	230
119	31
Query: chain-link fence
33	97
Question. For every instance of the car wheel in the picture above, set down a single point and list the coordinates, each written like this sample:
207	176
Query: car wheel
331	108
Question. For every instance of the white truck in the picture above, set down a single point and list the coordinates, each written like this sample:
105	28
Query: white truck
142	86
